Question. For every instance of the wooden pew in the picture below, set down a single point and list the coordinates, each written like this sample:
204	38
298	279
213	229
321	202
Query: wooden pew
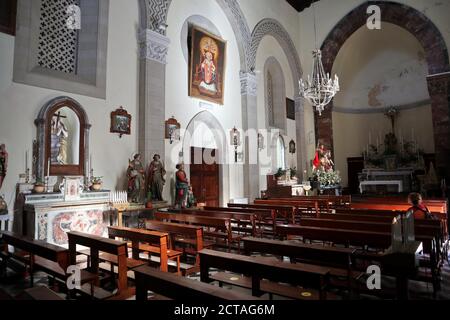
245	222
191	236
39	294
438	210
259	268
221	226
145	241
97	245
339	260
179	288
265	218
284	213
38	254
301	207
361	238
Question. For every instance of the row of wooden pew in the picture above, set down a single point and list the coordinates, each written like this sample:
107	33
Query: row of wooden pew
362	225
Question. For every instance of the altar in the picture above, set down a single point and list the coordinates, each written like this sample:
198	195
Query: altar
49	217
400	180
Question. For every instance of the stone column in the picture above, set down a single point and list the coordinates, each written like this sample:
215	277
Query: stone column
301	138
152	93
249	91
439	88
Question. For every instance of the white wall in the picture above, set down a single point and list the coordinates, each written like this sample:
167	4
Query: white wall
20	104
183	107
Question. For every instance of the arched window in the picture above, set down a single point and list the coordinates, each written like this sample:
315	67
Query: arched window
281	157
270	113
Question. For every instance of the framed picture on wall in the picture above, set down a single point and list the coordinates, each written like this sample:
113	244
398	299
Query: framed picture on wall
207	66
172	130
120	122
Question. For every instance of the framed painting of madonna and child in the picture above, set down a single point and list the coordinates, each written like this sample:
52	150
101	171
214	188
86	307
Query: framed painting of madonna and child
207	66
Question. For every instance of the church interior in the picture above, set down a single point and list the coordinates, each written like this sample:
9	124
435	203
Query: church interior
222	150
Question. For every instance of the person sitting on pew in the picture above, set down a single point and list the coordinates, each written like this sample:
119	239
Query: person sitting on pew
421	212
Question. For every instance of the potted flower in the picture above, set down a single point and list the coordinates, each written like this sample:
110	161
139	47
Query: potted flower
39	186
280	174
97	183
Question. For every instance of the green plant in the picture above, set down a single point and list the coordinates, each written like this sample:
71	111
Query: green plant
39	182
96	180
293	172
280	173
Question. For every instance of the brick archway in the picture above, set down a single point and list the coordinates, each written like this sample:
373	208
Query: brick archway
437	58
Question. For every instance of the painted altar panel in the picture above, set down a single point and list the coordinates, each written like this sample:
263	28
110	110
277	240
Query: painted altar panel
52	224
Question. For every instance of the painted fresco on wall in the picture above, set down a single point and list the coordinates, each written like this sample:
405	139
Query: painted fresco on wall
87	221
207	66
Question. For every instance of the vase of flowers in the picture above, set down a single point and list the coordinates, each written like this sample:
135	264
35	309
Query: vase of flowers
96	183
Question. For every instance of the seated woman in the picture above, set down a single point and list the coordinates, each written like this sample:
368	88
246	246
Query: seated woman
420	210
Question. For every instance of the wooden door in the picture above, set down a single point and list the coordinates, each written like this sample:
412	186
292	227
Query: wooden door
355	167
205	177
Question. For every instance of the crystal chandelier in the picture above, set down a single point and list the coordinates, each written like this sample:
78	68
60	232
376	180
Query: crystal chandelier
319	89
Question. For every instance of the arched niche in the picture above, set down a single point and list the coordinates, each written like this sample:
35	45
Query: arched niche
220	138
49	164
275	95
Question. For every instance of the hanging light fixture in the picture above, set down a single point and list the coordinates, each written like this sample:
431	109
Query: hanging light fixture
319	89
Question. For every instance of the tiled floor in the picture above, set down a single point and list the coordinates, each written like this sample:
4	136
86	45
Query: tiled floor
15	283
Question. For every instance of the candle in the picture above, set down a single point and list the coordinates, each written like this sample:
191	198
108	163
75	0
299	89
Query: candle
48	168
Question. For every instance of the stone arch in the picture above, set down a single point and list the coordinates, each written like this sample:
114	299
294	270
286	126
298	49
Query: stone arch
275	29
154	12
436	54
220	137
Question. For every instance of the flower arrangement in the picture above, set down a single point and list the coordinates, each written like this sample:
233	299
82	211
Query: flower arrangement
327	178
293	172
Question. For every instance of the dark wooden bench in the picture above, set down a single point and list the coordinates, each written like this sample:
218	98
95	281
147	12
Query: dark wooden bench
264	275
285	214
361	238
240	222
185	238
300	207
36	254
265	219
216	228
180	288
339	260
98	245
39	294
152	242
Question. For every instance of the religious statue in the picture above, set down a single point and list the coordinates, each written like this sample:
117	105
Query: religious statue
182	187
155	178
136	180
59	141
323	160
3	163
